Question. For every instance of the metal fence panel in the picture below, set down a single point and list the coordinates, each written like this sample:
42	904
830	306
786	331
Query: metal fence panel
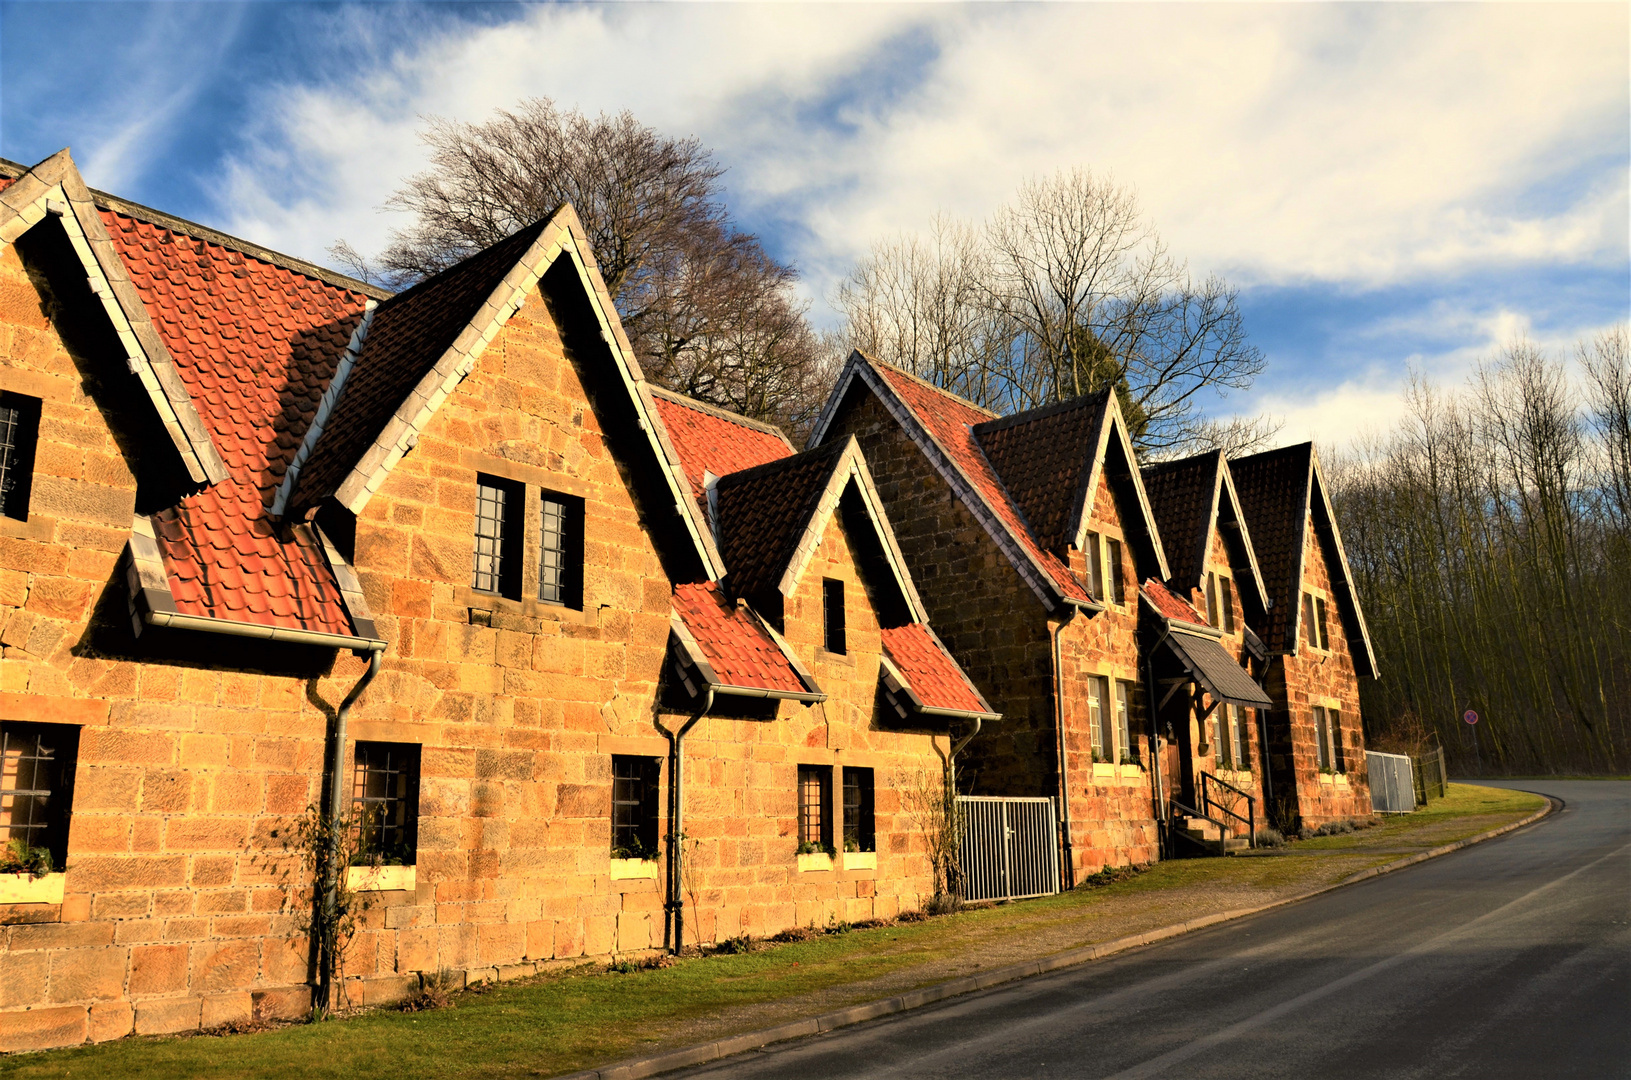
1009	848
1392	783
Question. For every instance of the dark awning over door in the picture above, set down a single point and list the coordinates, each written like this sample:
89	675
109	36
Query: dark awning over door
1216	671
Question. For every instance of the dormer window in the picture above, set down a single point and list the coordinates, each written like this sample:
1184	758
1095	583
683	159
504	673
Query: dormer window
1220	602
19	431
1314	632
832	613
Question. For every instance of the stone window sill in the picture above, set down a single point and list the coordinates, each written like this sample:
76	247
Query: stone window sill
24	889
380	878
632	869
860	860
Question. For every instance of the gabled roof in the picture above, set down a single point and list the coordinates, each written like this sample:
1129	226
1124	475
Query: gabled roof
1281	493
732	649
1191	498
765	513
713	440
1169	605
422	342
54	187
1029	478
241	348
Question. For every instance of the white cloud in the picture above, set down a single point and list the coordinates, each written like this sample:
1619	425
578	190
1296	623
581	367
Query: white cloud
1278	144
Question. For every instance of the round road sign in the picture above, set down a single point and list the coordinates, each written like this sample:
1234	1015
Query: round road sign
1470	717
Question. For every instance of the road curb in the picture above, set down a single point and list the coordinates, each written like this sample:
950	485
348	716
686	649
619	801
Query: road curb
703	1053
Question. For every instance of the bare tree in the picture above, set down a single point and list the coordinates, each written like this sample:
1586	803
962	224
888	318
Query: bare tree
1066	291
708	310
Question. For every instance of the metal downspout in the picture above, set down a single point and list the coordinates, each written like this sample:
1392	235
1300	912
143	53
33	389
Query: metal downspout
1064	778
1155	741
674	905
337	809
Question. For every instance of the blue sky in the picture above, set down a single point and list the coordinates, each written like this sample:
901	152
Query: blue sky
1390	186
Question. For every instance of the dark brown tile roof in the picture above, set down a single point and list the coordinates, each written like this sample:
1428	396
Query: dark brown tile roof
763	512
1183	497
1274	489
409	334
1044	457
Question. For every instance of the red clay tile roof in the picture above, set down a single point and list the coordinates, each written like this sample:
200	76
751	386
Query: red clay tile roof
1044	457
256	345
408	335
1170	604
951	420
933	675
734	643
1183	498
763	512
1274	489
712	440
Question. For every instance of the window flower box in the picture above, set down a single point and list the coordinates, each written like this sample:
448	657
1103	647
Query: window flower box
632	869
380	878
860	860
814	861
28	889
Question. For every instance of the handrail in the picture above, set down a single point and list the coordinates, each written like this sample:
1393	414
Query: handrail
1250	820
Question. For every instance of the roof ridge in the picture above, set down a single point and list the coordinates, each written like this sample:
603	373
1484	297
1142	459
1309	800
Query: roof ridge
152	216
1171	464
929	385
1041	412
717	411
426	284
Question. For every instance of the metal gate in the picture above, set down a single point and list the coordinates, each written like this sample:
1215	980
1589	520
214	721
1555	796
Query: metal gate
1392	783
1010	847
1432	778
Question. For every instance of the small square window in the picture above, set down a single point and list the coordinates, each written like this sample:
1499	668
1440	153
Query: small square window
560	550
815	794
19	431
832	608
37	789
858	816
496	566
385	804
635	781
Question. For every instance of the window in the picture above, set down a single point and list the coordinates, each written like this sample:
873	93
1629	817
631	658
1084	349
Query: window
634	806
37	791
1322	740
1095	567
1334	716
499	513
815	793
1118	589
560	551
1243	737
1100	718
1319	622
1314	618
832	615
1226	599
1212	599
385	803
19	431
1219	723
1124	714
858	834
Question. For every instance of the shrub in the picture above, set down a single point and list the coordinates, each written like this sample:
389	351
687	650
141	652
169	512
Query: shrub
943	904
911	917
435	992
1270	838
19	858
795	933
735	945
1109	875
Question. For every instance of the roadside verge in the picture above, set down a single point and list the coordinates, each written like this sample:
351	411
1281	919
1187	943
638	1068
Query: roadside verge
703	1053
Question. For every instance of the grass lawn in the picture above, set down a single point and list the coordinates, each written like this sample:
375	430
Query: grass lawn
563	1022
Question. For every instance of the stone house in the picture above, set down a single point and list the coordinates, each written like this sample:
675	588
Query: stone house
1315	637
273	539
1216	590
1030	535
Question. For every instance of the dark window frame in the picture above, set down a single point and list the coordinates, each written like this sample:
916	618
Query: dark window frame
19	435
834	625
568	514
380	809
814	808
1118	584
48	825
635	824
498	534
1095	566
1226	600
860	805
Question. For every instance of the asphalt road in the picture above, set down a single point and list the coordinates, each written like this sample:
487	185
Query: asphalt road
1511	958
